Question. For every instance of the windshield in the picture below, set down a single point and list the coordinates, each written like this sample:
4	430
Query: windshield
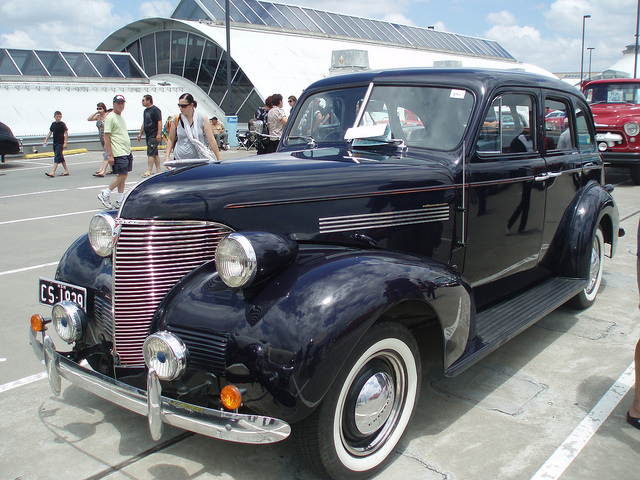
325	117
613	93
423	117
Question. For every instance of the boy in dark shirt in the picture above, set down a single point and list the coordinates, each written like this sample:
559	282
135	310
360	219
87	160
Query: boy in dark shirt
60	135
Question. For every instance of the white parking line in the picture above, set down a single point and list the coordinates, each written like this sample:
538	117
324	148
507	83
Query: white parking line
566	453
50	216
26	269
33	193
23	381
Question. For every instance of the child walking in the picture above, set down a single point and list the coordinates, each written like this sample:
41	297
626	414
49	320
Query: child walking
60	135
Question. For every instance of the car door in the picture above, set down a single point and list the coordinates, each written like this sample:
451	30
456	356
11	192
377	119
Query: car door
506	202
571	157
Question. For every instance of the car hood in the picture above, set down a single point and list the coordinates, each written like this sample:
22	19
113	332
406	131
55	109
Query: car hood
614	115
289	193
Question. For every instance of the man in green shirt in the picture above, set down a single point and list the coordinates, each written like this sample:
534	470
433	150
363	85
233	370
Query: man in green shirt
118	147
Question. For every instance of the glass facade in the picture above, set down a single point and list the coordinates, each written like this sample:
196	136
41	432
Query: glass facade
47	63
199	60
257	12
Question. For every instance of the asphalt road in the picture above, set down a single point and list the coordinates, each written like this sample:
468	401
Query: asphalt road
541	407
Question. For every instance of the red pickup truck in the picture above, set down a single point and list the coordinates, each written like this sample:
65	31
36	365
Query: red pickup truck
615	104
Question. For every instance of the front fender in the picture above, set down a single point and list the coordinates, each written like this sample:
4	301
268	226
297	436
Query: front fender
289	337
80	265
569	253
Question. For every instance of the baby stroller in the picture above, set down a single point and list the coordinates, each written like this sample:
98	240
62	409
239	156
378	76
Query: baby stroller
246	139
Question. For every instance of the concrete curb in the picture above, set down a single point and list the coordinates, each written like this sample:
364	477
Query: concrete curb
140	149
50	154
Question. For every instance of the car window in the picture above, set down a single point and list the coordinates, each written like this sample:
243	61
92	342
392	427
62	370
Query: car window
326	116
622	92
586	142
425	117
558	135
508	126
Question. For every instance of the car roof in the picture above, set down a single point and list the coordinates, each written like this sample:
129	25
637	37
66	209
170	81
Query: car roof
479	79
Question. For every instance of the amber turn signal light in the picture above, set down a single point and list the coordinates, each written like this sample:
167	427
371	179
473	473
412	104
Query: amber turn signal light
231	397
37	323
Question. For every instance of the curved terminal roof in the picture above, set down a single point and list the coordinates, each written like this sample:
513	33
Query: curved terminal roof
275	48
318	22
267	60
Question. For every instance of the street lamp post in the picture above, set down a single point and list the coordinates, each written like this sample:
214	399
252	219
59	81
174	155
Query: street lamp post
584	18
591	49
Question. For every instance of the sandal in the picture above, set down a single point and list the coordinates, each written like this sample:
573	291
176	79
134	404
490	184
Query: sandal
64	174
98	174
48	174
634	422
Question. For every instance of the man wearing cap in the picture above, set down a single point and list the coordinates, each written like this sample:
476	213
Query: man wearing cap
118	147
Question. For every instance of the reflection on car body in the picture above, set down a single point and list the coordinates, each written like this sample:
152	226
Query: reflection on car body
243	298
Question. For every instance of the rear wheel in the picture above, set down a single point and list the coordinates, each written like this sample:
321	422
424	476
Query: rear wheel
635	174
356	428
587	297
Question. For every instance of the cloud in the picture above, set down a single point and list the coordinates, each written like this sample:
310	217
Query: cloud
66	24
398	18
503	18
161	8
17	39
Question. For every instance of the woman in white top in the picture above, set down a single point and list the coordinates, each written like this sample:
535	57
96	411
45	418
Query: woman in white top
99	118
189	133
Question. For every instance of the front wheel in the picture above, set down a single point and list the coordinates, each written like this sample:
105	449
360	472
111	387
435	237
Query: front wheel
587	297
356	428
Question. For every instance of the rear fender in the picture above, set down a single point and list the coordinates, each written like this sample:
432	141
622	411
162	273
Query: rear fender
570	249
292	334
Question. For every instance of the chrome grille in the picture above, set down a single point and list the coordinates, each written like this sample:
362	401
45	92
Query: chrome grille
150	257
426	214
207	350
102	313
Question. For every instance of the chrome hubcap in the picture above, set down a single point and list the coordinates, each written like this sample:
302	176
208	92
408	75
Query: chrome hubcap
595	266
374	403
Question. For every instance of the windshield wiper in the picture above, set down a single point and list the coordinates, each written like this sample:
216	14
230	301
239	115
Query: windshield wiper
311	143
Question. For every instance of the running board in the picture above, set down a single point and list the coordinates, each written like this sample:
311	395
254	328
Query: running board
500	323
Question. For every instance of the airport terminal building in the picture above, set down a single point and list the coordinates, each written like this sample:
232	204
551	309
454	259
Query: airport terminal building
275	48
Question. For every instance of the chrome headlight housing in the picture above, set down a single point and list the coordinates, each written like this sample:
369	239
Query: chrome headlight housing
236	260
69	321
247	258
632	128
166	354
102	234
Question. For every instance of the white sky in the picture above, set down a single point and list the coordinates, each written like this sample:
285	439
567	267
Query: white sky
543	33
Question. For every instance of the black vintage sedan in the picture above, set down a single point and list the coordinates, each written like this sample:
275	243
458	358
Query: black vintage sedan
250	298
9	145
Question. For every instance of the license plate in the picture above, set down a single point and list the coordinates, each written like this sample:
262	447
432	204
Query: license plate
53	291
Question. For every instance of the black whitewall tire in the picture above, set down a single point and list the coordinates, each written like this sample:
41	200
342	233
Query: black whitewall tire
365	413
587	297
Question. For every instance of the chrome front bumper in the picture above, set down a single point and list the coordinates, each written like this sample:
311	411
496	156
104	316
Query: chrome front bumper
233	427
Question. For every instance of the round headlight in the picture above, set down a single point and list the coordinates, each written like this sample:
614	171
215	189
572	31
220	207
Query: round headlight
236	260
632	129
68	320
166	354
101	234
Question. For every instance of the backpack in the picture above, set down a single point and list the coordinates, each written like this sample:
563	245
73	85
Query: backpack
167	126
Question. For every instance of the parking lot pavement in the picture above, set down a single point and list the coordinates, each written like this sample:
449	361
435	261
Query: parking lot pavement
505	418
